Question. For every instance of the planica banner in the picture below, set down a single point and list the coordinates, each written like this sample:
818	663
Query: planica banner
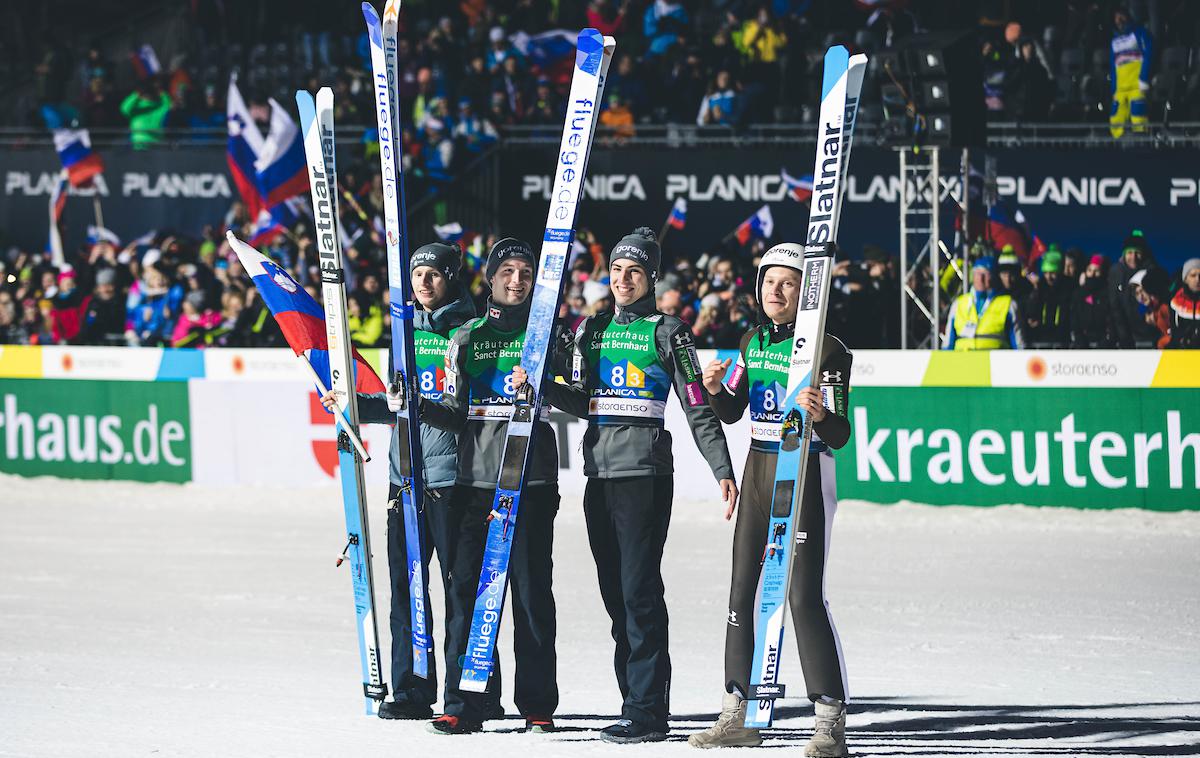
1094	448
96	430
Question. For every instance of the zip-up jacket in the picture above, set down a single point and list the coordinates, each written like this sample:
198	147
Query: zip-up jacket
478	398
439	448
623	367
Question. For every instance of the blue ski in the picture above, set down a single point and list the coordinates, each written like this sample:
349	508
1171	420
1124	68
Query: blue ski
316	121
841	83
592	56
412	488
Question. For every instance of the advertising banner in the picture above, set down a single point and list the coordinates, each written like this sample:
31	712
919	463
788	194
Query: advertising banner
1086	429
137	431
1095	448
1067	196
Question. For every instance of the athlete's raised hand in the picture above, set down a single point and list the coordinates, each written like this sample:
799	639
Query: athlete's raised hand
519	377
714	372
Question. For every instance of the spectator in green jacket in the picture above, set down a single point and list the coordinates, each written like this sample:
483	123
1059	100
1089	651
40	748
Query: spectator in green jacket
145	109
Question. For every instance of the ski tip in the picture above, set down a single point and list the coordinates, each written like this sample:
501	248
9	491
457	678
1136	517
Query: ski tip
304	104
589	51
610	44
372	18
391	9
858	59
837	60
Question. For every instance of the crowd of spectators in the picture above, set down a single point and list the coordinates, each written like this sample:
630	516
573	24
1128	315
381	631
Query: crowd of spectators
480	65
170	290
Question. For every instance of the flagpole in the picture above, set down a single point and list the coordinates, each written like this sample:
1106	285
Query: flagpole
358	445
98	211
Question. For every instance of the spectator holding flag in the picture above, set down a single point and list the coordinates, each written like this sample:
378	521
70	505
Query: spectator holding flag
145	109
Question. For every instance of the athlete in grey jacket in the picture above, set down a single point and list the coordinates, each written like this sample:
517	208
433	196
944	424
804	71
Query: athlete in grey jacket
624	366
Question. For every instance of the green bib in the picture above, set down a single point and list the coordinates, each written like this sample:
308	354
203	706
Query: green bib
490	358
765	367
626	381
430	350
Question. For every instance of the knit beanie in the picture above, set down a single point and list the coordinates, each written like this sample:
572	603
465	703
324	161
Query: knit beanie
641	247
506	249
445	258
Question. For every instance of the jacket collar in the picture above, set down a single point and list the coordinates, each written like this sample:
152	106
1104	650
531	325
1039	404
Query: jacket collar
627	314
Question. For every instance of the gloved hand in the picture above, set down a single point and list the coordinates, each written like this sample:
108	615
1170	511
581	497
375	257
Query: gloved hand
395	397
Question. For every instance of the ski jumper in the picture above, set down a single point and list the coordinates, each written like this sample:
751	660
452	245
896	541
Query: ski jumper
759	381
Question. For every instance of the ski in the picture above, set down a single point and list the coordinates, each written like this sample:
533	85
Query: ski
404	377
592	57
841	83
316	122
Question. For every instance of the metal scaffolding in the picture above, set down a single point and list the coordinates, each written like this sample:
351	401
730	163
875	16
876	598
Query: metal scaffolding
920	192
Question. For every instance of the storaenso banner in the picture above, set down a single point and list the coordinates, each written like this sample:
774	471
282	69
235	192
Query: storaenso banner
1094	448
95	430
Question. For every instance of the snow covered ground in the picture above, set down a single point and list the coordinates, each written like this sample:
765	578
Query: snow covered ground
178	621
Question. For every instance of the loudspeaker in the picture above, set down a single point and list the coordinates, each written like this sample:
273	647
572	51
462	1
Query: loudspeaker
942	75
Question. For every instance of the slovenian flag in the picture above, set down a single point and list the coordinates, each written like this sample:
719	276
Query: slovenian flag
759	226
145	62
678	217
279	219
280	168
74	148
800	189
242	149
300	318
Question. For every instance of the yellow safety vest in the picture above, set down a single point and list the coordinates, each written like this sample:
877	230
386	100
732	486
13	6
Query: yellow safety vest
974	331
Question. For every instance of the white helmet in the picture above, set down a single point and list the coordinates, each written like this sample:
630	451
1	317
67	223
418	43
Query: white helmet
788	254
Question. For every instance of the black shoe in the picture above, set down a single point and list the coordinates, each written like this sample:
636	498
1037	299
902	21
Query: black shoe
629	732
454	725
405	711
539	724
493	712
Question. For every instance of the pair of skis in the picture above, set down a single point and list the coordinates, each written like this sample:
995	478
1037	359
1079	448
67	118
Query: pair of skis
841	85
316	123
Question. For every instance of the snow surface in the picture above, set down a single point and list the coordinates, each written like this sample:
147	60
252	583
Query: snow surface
167	620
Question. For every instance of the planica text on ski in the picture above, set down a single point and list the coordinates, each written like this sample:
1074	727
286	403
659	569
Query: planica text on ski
384	64
316	123
592	57
841	84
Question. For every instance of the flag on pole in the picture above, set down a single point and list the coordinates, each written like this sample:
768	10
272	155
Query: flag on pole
58	201
800	189
280	168
74	148
300	318
759	226
678	217
242	149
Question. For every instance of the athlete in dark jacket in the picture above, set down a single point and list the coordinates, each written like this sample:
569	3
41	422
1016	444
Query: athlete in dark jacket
623	368
477	404
759	381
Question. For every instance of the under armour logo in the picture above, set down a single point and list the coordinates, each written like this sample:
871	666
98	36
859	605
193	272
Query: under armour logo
831	376
733	618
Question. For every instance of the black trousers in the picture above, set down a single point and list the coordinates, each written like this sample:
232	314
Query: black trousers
529	580
820	651
440	536
627	523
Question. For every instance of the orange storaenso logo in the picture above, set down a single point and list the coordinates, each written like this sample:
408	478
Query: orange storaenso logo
68	362
1036	368
239	365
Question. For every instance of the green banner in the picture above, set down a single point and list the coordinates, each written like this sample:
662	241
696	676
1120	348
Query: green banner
95	430
1086	448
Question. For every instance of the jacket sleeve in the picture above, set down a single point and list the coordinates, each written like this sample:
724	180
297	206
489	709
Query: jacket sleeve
835	392
373	409
571	397
677	351
730	403
450	415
